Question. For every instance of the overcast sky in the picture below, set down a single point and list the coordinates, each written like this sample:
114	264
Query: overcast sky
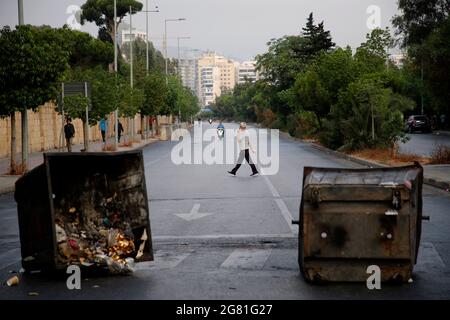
235	28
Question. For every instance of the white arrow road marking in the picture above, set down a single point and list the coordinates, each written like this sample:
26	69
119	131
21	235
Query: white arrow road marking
194	214
249	259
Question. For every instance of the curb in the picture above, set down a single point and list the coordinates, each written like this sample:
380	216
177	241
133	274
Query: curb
441	133
7	190
370	164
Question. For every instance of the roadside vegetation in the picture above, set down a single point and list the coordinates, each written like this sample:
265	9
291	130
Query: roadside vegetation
34	60
350	99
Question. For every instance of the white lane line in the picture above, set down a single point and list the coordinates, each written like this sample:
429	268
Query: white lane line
286	215
281	204
163	259
149	163
428	258
249	259
223	236
272	189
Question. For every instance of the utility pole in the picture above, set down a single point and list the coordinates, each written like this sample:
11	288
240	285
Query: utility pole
131	73
146	34
179	71
165	45
24	110
116	112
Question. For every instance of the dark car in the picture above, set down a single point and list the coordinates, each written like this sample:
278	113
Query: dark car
418	123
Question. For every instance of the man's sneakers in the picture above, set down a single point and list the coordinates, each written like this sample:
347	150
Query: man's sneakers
254	174
232	173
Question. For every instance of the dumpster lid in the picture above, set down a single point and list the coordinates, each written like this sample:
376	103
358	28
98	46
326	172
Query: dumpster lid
388	177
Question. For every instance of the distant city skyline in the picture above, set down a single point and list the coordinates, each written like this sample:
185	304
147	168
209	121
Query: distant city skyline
237	29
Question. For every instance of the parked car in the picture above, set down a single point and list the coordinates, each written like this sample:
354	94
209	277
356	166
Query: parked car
418	123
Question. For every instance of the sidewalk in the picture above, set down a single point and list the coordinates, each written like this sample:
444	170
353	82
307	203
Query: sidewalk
434	175
7	182
441	133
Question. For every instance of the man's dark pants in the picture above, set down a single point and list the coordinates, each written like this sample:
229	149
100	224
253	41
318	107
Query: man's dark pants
244	153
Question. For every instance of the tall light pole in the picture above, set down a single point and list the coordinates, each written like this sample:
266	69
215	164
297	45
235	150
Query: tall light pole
165	44
24	111
146	34
116	112
179	71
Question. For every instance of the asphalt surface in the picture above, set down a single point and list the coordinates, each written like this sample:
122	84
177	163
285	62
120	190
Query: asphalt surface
222	237
423	144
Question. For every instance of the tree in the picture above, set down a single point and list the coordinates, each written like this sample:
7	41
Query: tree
84	50
317	89
155	92
368	114
101	12
105	95
419	24
32	63
318	39
419	18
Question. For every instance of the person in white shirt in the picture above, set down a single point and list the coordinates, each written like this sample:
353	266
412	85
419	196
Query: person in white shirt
243	139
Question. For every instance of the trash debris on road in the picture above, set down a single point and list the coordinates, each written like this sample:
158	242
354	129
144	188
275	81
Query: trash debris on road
101	237
33	294
14	281
95	215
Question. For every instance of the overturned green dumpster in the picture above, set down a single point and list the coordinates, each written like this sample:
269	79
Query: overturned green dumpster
86	209
351	219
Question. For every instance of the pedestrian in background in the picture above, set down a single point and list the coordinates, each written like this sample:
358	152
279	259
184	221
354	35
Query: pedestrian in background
243	139
120	130
103	129
69	132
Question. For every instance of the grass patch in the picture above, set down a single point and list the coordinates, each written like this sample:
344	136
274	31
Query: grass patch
390	157
440	155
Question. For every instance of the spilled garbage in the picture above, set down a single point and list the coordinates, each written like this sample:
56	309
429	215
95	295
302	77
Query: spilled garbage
97	238
86	209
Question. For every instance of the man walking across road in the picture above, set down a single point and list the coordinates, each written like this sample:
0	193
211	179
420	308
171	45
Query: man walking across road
69	132
243	139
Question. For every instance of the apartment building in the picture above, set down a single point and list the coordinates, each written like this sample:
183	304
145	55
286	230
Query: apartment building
188	73
135	34
246	72
223	76
209	88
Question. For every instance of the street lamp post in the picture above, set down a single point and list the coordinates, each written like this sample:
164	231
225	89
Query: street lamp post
146	32
116	112
24	111
165	44
179	72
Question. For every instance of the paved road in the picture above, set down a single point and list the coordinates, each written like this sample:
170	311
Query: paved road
241	246
424	143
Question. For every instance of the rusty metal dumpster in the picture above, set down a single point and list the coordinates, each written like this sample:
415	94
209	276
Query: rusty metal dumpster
87	209
351	219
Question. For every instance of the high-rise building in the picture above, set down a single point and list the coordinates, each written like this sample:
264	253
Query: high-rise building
227	69
135	34
246	72
221	70
209	88
189	74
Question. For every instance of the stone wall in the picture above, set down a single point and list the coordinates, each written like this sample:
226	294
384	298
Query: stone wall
44	130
